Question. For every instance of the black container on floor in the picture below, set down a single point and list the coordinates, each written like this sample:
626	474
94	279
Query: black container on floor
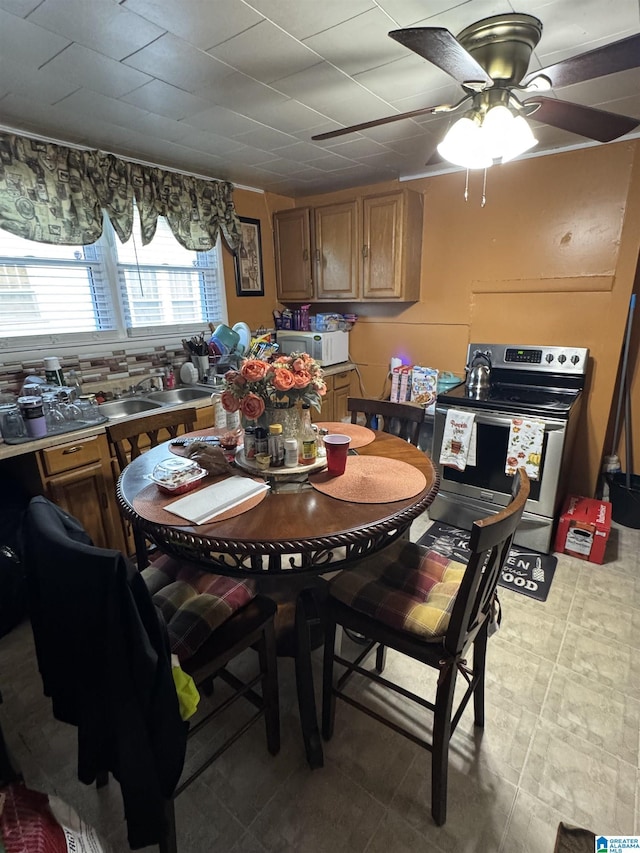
625	502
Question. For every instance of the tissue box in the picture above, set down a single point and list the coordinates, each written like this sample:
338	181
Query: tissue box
583	528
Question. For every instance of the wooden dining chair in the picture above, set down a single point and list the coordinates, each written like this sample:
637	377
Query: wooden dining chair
402	419
103	634
419	603
126	436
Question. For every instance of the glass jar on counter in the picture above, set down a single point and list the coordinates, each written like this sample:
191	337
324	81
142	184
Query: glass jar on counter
11	421
88	406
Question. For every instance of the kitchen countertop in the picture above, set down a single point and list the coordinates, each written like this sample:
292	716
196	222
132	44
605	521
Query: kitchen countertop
9	451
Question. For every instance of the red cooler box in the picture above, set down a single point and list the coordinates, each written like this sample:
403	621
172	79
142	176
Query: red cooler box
584	528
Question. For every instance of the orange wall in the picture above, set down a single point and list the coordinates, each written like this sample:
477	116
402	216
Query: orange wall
550	259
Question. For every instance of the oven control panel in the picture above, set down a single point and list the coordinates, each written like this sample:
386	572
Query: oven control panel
570	360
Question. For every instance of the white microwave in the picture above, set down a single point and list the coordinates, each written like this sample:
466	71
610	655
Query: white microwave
326	347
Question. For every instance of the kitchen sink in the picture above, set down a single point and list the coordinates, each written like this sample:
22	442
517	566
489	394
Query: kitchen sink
177	395
129	406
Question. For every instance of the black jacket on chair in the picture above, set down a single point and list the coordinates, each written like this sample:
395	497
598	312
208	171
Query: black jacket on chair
104	659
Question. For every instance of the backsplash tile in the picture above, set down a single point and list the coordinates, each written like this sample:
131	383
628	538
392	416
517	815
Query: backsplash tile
94	369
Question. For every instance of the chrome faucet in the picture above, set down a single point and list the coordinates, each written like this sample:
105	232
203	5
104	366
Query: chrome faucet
139	386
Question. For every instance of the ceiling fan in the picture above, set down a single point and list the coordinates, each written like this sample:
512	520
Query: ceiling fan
490	60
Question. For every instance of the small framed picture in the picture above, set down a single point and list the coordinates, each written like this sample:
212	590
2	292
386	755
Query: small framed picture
248	260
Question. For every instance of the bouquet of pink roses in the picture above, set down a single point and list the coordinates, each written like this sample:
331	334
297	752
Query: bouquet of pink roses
285	380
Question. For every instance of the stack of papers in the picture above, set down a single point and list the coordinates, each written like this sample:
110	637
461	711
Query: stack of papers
207	503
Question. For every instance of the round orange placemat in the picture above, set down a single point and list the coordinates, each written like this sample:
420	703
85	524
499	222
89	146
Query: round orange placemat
359	435
371	480
150	504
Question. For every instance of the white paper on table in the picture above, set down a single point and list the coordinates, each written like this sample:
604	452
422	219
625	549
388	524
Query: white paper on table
205	504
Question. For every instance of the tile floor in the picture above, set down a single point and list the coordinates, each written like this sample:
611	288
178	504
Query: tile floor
561	742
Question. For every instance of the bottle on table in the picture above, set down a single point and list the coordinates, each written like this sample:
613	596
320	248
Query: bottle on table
308	441
276	445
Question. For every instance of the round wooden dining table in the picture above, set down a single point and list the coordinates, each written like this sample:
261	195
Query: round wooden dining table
286	541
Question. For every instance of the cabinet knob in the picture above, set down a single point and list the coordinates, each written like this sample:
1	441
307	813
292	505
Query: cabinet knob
317	256
365	251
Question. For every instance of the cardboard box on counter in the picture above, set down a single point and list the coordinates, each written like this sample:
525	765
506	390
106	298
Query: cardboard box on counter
583	528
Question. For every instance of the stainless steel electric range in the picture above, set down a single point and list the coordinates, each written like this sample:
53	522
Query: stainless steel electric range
539	382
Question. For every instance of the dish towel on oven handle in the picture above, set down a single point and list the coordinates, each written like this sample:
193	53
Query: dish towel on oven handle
459	433
525	447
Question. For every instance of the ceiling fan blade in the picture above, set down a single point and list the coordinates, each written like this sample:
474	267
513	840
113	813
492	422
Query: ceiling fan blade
586	121
441	48
617	56
378	121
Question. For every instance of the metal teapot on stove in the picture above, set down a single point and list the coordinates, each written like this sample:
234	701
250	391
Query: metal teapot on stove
479	371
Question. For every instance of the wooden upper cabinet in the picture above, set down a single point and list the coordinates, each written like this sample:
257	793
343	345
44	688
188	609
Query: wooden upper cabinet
336	260
293	249
368	248
391	246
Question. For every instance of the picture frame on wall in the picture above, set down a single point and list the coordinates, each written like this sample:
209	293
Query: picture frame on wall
248	259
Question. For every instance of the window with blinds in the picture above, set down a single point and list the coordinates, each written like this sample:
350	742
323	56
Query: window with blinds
121	289
163	284
52	289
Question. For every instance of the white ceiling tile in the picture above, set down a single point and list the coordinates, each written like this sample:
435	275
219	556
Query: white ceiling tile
200	22
247	156
303	20
84	102
319	87
101	25
403	78
408	12
21	8
358	44
95	71
305	152
180	64
27	43
166	100
223	121
265	137
29	82
239	92
355	146
288	115
266	53
206	140
359	107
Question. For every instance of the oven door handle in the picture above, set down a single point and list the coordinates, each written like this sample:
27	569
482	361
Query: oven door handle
492	419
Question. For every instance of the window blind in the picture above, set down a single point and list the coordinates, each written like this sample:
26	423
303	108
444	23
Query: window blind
52	289
164	284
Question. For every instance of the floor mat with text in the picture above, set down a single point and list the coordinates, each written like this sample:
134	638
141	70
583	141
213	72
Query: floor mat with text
526	571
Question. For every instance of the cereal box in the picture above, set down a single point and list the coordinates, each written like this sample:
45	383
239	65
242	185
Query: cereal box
424	385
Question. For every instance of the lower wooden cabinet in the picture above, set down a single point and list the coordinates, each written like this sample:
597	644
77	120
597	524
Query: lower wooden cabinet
77	477
334	403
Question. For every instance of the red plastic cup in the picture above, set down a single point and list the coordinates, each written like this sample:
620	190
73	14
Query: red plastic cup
337	449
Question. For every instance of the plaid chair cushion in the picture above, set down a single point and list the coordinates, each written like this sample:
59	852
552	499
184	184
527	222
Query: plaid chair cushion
194	603
406	586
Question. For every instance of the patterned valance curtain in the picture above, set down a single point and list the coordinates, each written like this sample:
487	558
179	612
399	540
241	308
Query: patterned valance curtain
53	194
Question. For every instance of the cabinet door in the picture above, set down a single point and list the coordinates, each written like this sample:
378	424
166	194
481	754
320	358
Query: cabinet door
292	239
84	493
326	413
383	238
341	393
336	258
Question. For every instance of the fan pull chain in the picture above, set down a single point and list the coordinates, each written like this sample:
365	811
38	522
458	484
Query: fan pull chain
484	189
466	187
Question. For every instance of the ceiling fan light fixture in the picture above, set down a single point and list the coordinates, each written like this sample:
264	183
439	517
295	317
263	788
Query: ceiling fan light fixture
496	128
464	145
519	140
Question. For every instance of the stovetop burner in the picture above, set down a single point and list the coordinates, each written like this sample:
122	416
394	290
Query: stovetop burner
535	381
511	398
